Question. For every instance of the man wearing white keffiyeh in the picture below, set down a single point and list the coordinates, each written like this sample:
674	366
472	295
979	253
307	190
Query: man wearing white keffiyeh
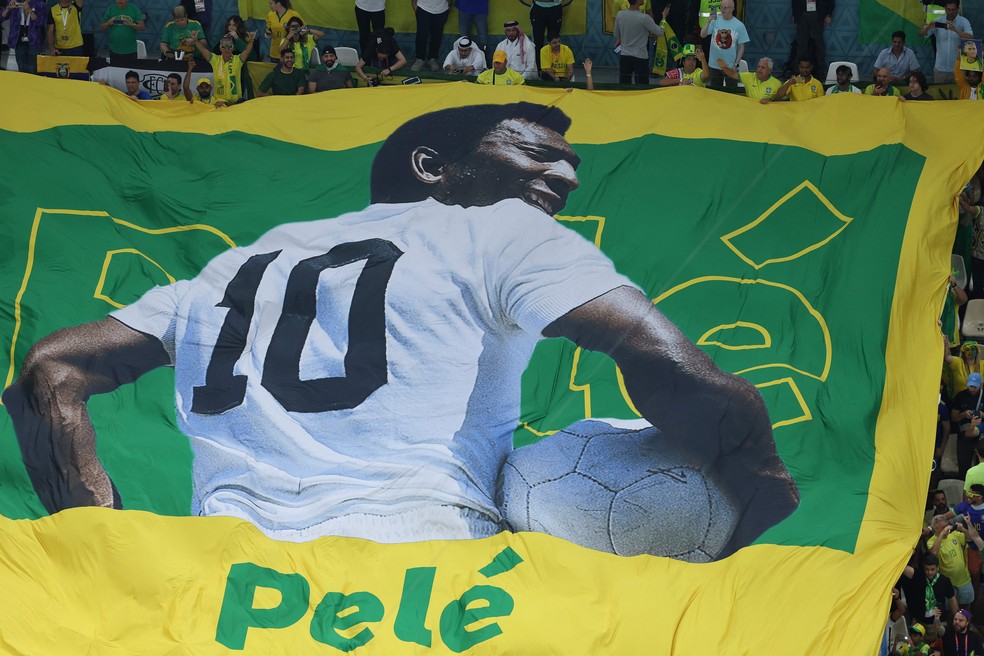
520	52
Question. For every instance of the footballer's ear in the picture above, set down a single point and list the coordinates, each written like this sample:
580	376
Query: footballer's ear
427	165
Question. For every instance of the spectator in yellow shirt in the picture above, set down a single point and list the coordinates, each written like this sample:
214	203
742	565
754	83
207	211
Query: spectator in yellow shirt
556	60
760	85
500	73
803	86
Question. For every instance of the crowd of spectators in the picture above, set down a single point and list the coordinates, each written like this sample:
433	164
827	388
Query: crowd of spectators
638	28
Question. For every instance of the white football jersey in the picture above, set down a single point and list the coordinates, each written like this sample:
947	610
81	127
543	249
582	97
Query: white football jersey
360	376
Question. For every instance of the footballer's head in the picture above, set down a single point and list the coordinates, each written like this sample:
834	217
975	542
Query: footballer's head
479	155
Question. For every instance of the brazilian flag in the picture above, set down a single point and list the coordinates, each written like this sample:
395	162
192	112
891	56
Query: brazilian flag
878	19
668	49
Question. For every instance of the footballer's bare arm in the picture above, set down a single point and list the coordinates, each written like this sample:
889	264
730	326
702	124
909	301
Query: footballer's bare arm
680	390
47	404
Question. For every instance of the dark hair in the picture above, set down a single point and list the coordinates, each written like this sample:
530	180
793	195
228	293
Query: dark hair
552	35
240	25
806	58
844	69
930	559
951	2
453	133
920	78
899	33
295	20
285	3
385	40
174	76
131	74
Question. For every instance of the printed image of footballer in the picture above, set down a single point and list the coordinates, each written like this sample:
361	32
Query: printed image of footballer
360	375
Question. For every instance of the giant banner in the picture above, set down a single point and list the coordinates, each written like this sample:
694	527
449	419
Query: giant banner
446	370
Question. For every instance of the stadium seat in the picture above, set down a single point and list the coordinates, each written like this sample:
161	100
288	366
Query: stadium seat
832	71
315	58
742	68
953	487
141	49
347	56
957	264
973	322
948	463
897	631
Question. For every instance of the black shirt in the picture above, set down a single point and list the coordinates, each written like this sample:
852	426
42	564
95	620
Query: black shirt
915	596
962	402
961	644
375	60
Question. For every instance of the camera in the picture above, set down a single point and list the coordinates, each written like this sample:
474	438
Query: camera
373	82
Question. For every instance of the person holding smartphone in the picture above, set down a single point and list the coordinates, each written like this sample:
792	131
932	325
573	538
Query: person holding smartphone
121	22
949	34
25	36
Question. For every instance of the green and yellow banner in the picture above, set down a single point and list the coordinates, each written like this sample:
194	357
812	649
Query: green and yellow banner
878	19
448	373
340	15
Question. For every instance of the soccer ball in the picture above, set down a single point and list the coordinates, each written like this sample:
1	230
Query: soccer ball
621	491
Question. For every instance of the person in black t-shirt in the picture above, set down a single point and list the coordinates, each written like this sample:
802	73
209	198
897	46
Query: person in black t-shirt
965	412
382	53
961	641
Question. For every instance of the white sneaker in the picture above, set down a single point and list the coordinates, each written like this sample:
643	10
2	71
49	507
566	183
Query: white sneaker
417	65
434	66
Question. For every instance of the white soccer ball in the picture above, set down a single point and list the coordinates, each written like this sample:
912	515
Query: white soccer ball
621	491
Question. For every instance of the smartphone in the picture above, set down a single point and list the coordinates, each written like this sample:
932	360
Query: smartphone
117	21
618	50
940	24
411	80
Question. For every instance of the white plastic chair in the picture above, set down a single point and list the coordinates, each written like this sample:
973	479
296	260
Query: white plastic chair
953	488
742	68
141	49
11	60
346	56
948	463
315	57
973	323
897	631
832	71
957	264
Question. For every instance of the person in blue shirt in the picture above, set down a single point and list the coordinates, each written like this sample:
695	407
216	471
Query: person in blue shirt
133	89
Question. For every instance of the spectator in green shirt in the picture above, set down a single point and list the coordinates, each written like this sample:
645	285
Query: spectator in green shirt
122	21
177	35
284	80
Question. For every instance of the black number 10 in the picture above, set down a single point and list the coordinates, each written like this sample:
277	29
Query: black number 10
365	360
